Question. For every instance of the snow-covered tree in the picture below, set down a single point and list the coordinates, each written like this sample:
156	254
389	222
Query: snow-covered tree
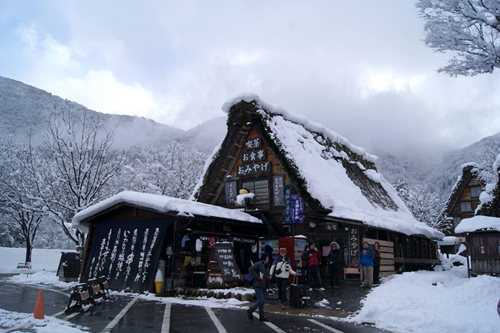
424	204
468	28
171	169
80	164
21	208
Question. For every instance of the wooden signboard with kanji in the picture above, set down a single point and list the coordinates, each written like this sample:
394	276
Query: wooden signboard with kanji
222	270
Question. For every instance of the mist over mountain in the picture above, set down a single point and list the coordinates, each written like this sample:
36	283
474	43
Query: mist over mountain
23	109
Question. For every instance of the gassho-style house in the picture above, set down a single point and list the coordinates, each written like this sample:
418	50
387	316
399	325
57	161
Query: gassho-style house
302	180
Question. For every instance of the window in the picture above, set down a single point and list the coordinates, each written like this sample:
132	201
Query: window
474	181
475	192
456	221
260	188
465	207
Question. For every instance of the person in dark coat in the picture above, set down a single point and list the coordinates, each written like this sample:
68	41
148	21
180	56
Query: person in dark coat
261	276
303	268
314	260
334	264
376	262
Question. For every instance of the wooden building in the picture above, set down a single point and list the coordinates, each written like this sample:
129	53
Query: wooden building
132	235
482	234
464	198
308	180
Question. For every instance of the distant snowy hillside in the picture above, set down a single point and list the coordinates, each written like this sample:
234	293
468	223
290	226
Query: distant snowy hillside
23	108
442	176
207	135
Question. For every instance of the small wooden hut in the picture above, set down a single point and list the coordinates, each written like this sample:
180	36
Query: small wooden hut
131	235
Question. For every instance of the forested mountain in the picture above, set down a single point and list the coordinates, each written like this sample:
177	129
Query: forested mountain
23	108
164	160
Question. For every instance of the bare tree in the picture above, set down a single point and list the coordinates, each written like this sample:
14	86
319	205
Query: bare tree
80	166
18	200
468	28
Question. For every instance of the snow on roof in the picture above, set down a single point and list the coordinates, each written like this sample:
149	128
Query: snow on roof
162	204
478	222
449	240
326	178
311	126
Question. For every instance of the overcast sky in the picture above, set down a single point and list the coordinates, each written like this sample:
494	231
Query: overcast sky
358	67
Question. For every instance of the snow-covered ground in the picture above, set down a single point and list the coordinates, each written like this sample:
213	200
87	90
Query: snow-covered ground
440	301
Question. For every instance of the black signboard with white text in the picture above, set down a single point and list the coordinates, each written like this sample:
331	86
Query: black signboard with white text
228	266
255	168
255	143
254	156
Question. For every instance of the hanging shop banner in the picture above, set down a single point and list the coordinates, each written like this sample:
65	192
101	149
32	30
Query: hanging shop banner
255	168
297	209
278	184
231	192
353	247
255	143
126	253
254	156
288	205
213	239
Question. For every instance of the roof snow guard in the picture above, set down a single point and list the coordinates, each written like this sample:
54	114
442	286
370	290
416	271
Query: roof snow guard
161	204
330	170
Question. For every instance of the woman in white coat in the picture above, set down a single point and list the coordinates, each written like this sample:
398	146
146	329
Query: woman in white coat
281	270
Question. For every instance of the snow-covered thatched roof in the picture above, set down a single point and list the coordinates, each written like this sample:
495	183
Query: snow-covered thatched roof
161	204
329	170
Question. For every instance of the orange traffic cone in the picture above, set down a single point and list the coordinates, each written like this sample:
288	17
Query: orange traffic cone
38	314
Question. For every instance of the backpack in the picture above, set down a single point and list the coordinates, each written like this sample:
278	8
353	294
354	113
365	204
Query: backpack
250	276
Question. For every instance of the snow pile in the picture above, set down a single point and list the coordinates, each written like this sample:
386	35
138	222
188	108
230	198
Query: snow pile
49	324
323	304
448	262
43	277
433	302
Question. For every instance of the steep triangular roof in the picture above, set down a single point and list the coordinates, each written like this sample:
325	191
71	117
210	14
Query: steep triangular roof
469	170
333	176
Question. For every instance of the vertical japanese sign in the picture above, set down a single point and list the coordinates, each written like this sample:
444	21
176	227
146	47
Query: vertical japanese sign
288	204
297	209
353	247
278	184
231	192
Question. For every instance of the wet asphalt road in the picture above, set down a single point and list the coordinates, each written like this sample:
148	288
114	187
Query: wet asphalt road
123	313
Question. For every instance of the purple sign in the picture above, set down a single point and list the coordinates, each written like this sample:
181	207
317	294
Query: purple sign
297	208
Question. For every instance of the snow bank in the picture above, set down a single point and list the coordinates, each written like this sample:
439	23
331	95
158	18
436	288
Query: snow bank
433	302
9	319
440	301
41	259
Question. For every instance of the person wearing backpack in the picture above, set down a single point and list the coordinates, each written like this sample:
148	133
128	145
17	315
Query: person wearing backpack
281	269
259	274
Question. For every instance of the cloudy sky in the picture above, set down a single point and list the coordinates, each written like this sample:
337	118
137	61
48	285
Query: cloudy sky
358	67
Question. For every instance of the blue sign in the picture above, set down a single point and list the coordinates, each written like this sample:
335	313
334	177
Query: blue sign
288	204
297	209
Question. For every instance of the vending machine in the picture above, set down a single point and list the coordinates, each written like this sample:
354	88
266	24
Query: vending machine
294	246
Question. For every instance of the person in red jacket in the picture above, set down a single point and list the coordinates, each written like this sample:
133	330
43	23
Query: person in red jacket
314	259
